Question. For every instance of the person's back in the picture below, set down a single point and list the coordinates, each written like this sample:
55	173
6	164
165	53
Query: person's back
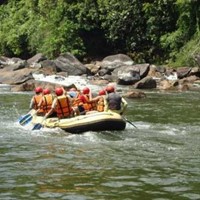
88	106
63	107
46	102
36	98
114	102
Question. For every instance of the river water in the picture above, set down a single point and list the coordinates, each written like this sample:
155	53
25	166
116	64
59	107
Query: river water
159	160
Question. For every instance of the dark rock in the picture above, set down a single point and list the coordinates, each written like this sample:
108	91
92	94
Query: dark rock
134	94
36	59
16	66
128	78
68	63
114	61
103	72
146	83
48	65
16	77
183	71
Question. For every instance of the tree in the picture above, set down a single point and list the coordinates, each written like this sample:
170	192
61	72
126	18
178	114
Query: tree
187	30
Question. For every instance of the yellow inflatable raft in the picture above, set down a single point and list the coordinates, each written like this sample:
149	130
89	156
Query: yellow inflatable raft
97	121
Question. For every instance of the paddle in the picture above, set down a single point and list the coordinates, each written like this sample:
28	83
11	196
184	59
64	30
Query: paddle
25	119
129	122
38	126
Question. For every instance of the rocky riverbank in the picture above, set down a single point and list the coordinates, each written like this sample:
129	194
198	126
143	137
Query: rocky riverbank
119	69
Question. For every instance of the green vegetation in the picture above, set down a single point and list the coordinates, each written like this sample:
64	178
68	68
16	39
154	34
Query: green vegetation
156	31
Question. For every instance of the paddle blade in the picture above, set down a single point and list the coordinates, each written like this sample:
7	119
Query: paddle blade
37	126
25	119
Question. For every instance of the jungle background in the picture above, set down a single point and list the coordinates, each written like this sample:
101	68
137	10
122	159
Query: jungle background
152	31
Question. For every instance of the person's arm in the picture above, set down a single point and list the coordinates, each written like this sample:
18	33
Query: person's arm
94	99
90	95
105	104
31	104
49	113
124	105
64	91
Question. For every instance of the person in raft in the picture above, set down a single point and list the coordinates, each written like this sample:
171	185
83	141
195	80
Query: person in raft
114	102
77	101
35	100
86	99
46	103
61	105
99	100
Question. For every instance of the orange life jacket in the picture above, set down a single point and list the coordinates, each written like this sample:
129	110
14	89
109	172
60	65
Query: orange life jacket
89	105
47	103
93	105
37	99
100	105
77	102
63	108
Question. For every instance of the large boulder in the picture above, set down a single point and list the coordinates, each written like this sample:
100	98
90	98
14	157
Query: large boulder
48	67
168	84
10	61
15	77
183	71
68	63
114	61
16	66
4	60
36	59
128	75
93	68
146	83
195	71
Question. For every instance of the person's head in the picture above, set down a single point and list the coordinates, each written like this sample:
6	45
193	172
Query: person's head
59	91
110	89
72	89
86	90
102	92
46	91
38	90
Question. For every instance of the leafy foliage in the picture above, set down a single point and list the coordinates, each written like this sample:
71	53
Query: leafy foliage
147	30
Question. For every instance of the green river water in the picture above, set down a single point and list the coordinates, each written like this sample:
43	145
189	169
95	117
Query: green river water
160	160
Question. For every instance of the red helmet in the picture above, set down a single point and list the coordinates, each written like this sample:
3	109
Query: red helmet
46	91
86	90
38	90
59	91
102	92
110	89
